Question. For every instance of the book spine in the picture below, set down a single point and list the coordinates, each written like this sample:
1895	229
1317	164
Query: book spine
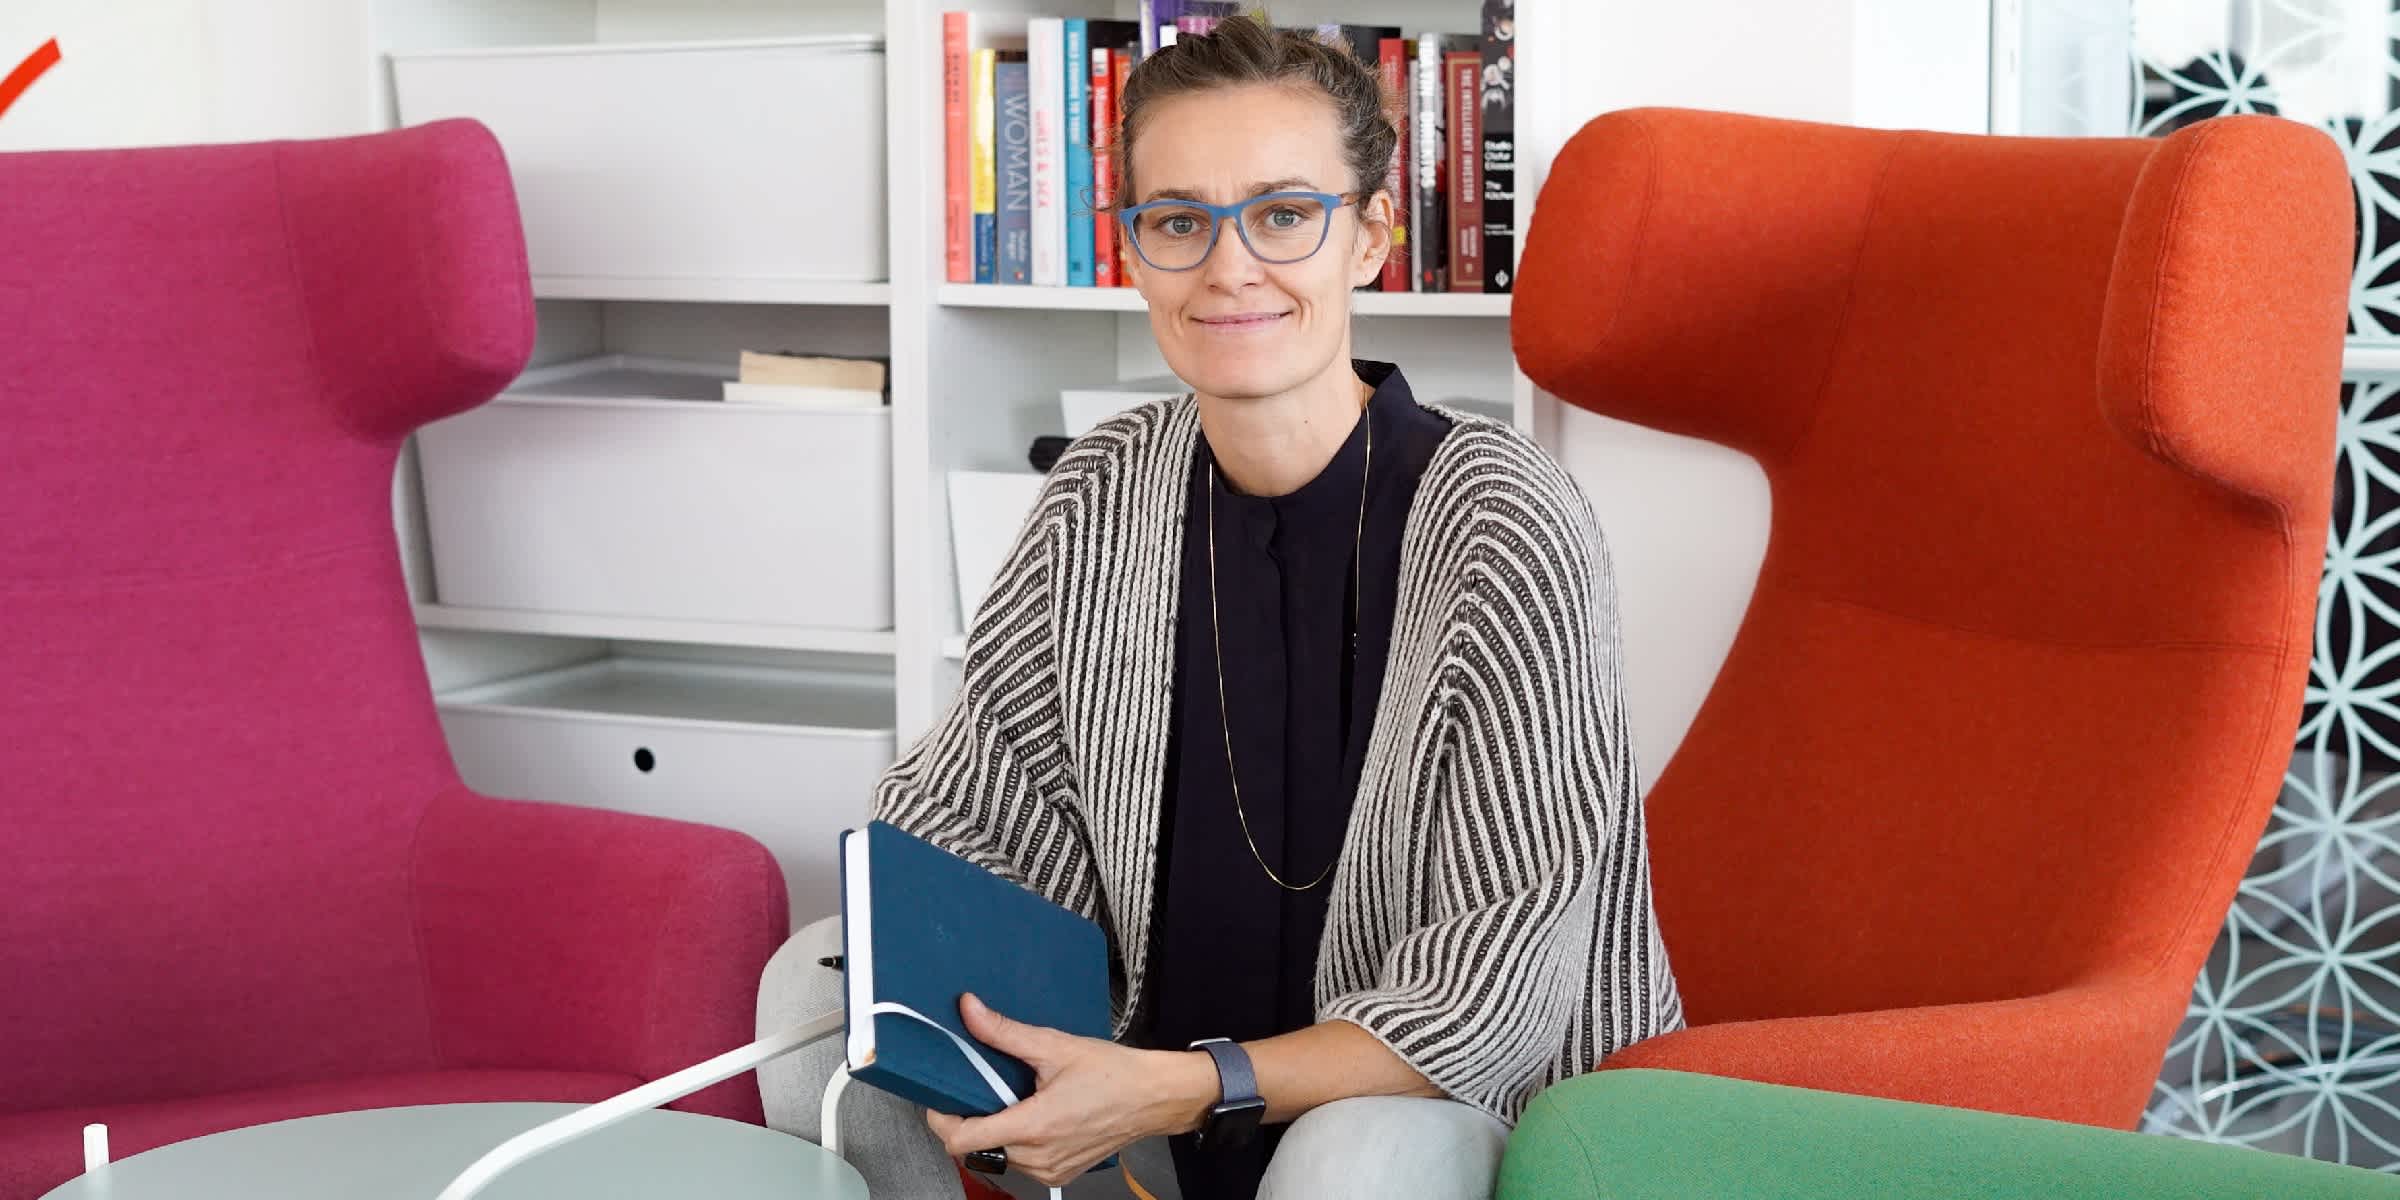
957	203
1046	83
1428	241
1162	22
1391	56
1464	68
1499	145
1016	175
980	120
1120	65
1077	59
1104	168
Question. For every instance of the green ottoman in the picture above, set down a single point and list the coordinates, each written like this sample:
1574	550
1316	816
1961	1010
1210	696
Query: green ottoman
1652	1135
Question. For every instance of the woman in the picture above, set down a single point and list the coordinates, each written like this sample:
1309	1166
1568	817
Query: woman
1309	694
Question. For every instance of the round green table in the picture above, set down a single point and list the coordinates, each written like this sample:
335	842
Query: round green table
411	1153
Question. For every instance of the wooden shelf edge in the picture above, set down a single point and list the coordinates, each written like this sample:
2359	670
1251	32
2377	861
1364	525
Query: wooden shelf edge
643	629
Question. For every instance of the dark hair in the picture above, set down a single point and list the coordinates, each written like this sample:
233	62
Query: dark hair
1246	50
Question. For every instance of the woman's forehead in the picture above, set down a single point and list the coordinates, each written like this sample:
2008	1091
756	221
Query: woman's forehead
1226	143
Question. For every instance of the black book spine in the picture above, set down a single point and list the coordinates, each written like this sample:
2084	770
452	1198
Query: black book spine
1499	145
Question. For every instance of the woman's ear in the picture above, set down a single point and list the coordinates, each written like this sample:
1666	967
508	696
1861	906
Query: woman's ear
1129	261
1376	218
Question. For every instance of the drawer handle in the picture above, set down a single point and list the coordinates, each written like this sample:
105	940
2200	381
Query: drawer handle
643	760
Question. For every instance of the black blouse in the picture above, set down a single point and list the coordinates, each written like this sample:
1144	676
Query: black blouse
1236	955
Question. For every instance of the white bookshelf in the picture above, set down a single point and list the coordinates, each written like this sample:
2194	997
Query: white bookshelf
976	369
645	629
707	291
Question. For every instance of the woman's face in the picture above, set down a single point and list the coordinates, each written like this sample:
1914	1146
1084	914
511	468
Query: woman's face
1234	326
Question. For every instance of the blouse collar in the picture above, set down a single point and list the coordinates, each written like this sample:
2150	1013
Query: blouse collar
1335	488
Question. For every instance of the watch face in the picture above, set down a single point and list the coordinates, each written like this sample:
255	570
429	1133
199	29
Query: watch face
1232	1123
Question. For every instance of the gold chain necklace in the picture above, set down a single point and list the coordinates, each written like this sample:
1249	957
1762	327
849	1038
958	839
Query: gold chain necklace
1217	635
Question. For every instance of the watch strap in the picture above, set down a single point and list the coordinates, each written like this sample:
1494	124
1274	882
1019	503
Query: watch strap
1236	1082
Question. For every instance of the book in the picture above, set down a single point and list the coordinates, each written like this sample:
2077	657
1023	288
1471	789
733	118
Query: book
1363	41
1104	167
1499	145
962	34
1046	83
922	927
1014	140
1463	73
813	370
1076	62
1163	19
1428	220
981	182
1121	62
1110	45
1392	60
958	249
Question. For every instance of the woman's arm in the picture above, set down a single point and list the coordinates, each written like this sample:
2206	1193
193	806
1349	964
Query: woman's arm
1297	1071
995	754
1536	854
1092	1098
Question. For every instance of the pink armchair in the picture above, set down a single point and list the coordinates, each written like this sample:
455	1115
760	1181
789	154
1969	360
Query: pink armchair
243	881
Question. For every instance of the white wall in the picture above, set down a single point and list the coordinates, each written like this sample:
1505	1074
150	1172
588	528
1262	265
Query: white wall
1686	520
152	72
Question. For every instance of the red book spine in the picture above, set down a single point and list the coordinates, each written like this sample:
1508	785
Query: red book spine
958	201
1104	167
1464	96
1391	56
1120	63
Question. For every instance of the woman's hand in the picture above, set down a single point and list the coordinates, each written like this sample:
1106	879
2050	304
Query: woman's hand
1091	1098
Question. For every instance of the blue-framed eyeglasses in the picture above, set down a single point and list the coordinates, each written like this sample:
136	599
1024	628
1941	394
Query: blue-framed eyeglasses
1278	227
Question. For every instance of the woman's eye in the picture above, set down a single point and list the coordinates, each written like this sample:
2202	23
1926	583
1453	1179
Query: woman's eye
1285	218
1179	225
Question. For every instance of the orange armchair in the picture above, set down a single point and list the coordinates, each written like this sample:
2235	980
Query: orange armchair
2049	430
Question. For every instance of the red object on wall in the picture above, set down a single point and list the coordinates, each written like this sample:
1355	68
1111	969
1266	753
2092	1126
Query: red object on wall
26	72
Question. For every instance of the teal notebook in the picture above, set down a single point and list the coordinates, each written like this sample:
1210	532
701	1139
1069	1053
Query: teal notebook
922	927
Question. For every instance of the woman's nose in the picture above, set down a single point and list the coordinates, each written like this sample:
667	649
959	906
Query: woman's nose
1230	263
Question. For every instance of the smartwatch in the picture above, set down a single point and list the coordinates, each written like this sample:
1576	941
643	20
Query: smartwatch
1239	1107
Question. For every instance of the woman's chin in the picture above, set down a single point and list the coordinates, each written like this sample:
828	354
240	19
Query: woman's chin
1259	370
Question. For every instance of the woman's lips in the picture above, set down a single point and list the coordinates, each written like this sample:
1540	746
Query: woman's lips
1242	322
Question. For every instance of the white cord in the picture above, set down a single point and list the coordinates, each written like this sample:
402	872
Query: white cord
552	1134
975	1059
829	1112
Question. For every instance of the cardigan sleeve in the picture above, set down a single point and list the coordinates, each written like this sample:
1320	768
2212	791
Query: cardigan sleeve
1537	835
980	783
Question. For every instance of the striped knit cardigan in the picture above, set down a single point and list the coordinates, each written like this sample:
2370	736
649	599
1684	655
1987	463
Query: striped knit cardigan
1490	919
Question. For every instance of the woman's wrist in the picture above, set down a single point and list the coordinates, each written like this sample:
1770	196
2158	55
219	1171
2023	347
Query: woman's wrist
1186	1083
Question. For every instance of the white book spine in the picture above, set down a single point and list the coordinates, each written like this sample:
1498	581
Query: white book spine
1046	87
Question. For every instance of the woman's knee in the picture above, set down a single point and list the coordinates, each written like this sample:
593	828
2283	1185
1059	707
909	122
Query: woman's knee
796	987
1387	1146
